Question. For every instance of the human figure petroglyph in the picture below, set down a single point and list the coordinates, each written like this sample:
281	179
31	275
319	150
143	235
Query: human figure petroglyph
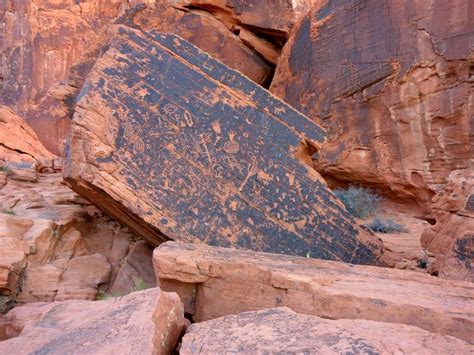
188	118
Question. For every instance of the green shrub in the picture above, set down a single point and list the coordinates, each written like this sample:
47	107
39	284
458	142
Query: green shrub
386	226
9	211
140	285
6	169
359	201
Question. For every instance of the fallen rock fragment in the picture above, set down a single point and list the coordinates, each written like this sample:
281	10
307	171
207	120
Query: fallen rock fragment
224	163
146	322
451	238
280	330
391	82
227	281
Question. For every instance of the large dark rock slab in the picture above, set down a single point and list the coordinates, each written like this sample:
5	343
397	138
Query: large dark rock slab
178	146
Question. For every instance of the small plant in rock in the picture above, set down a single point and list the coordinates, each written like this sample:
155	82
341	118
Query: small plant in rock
380	225
140	285
9	211
359	201
6	169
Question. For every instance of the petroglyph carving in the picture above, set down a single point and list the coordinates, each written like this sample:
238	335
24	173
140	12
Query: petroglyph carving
206	148
252	170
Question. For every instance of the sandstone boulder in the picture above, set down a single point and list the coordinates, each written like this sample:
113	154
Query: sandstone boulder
391	82
136	268
19	144
226	281
451	238
146	322
176	145
280	330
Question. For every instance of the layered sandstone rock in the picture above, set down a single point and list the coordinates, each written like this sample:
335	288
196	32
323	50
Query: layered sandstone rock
451	238
54	244
226	281
280	330
391	81
226	164
147	322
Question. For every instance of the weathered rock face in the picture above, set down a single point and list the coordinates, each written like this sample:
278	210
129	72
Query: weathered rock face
225	164
280	330
40	42
451	239
391	81
225	281
147	322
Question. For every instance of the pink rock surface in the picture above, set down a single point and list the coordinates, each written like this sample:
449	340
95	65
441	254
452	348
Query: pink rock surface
228	281
280	330
146	322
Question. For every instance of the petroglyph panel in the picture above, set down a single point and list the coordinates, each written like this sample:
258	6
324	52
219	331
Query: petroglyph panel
178	146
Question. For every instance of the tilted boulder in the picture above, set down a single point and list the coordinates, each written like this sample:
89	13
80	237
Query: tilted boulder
214	282
146	322
391	81
176	145
280	330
